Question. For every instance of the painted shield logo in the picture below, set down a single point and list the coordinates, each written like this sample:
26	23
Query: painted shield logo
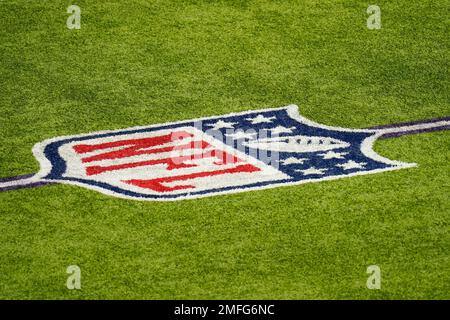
216	155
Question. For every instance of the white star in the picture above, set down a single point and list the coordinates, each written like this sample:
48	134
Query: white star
292	160
221	124
281	129
352	165
241	135
260	119
333	155
312	170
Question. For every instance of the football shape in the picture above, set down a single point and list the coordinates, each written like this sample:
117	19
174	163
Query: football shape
297	144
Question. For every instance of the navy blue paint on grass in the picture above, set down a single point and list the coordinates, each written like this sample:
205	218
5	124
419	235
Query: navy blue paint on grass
353	152
315	159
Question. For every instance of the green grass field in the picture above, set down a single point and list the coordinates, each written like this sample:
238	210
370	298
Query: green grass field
142	62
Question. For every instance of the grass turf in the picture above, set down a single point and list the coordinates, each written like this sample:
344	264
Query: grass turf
144	62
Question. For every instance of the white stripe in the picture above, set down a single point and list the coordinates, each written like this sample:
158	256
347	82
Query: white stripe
21	182
414	127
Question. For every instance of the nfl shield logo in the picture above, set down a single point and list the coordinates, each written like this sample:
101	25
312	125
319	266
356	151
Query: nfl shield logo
209	156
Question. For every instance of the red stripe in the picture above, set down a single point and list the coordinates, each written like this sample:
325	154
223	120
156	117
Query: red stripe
172	162
157	184
135	151
134	144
